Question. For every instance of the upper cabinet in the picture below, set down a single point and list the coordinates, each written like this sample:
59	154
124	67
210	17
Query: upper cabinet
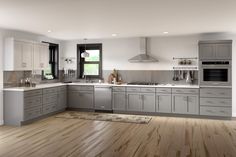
41	56
211	50
24	55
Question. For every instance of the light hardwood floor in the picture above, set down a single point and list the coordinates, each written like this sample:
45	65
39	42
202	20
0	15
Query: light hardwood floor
162	137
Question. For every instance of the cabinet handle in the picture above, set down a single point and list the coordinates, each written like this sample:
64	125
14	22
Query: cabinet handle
208	93
222	111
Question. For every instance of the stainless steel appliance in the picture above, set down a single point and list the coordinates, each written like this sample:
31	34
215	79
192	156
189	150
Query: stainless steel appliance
103	97
215	73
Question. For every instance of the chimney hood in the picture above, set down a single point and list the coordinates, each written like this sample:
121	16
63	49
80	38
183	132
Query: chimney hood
143	57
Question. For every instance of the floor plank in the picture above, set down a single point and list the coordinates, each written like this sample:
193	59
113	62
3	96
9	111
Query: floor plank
161	137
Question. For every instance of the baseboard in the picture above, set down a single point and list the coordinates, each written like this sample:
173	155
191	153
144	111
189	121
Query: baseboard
1	122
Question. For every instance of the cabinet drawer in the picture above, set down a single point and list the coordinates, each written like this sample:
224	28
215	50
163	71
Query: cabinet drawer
118	89
50	90
33	113
216	92
33	93
48	108
215	102
216	111
81	88
148	90
62	89
33	102
50	98
183	90
163	90
133	89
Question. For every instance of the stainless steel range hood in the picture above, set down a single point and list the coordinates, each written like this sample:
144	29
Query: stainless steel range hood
143	57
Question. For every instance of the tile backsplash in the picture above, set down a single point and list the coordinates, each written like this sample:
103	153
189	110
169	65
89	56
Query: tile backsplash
12	78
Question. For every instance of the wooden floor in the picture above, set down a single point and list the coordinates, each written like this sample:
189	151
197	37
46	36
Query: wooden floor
162	137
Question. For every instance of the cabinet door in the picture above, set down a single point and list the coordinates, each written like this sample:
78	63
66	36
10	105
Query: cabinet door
179	104
62	100
18	55
80	100
223	51
73	97
148	102
27	55
163	103
206	51
193	104
134	102
119	101
41	56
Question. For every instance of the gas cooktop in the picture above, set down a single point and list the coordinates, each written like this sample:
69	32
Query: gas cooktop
142	83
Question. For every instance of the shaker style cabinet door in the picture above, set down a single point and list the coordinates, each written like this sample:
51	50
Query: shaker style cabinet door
148	102
179	104
41	56
80	100
27	56
23	53
223	51
206	51
193	104
218	50
134	102
119	101
163	103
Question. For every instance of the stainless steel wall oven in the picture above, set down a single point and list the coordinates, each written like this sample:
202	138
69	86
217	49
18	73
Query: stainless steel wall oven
215	73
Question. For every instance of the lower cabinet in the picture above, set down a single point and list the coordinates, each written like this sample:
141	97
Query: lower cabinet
134	102
141	102
163	103
82	99
185	104
148	102
119	101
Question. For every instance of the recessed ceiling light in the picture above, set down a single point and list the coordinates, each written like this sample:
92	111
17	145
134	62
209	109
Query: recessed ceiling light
49	31
114	35
165	32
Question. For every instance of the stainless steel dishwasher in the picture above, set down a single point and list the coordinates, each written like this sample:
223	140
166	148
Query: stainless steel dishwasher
103	97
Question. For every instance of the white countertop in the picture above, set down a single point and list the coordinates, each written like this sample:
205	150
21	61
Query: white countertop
48	85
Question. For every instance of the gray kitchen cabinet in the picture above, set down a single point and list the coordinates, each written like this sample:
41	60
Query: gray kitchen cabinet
50	100
81	97
119	101
148	102
185	101
134	102
216	102
62	100
140	99
215	50
163	103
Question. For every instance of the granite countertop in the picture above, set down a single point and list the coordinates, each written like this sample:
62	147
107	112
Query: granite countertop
48	85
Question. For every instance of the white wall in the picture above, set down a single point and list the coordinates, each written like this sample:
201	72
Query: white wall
1	79
116	52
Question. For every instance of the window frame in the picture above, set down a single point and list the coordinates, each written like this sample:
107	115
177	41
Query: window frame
55	67
81	61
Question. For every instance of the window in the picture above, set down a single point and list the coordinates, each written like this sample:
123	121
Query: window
90	66
52	72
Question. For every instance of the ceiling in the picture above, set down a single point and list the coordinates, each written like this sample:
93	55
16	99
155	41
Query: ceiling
77	19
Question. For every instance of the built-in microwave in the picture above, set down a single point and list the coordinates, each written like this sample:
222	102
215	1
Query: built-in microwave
215	73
